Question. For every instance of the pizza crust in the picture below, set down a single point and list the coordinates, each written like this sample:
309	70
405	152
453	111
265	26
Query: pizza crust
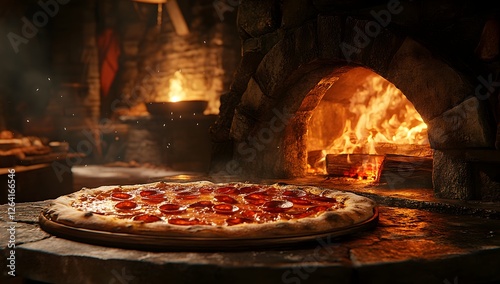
356	209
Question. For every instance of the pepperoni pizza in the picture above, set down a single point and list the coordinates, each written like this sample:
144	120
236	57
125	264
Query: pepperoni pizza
211	210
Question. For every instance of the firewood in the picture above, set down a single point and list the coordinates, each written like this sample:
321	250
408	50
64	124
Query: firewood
406	171
404	149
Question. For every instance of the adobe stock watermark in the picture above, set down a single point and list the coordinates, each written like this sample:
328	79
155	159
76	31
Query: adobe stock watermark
11	230
249	149
372	29
223	6
486	84
455	281
325	248
121	277
454	121
29	29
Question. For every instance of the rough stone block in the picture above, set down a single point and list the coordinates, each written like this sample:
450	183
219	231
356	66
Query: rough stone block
452	176
329	36
251	45
244	71
355	42
382	50
273	148
269	40
258	17
464	126
423	78
219	131
488	181
296	12
297	49
253	98
242	125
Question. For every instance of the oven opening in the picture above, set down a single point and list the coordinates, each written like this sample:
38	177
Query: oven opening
364	128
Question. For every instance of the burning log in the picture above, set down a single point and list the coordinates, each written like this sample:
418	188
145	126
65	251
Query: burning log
359	166
393	170
404	149
406	170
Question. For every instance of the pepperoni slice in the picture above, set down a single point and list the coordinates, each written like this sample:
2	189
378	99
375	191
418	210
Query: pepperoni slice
299	200
317	209
169	208
277	206
235	221
256	202
225	199
206	190
225	208
126	205
147	218
226	190
258	197
248	213
185	221
302	215
188	194
155	198
272	192
325	199
202	204
249	189
310	211
120	196
148	192
294	193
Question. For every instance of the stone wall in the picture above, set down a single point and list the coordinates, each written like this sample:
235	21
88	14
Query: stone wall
293	53
204	59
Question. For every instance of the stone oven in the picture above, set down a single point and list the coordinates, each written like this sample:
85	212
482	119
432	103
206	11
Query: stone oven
299	55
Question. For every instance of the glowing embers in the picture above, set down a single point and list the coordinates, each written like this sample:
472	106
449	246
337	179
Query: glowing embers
357	166
365	115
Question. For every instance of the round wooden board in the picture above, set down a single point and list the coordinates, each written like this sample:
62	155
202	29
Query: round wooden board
160	243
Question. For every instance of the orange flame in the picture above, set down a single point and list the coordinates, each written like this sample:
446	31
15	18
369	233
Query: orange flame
377	112
369	169
176	91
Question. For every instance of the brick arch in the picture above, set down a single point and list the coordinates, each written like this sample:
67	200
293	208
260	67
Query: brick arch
296	73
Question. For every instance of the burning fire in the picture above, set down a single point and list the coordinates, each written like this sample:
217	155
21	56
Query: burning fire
367	169
377	113
176	90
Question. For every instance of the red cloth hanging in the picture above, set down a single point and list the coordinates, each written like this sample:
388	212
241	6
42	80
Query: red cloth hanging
109	53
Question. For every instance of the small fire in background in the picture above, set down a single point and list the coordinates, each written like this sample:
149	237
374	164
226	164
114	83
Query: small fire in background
373	119
176	90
